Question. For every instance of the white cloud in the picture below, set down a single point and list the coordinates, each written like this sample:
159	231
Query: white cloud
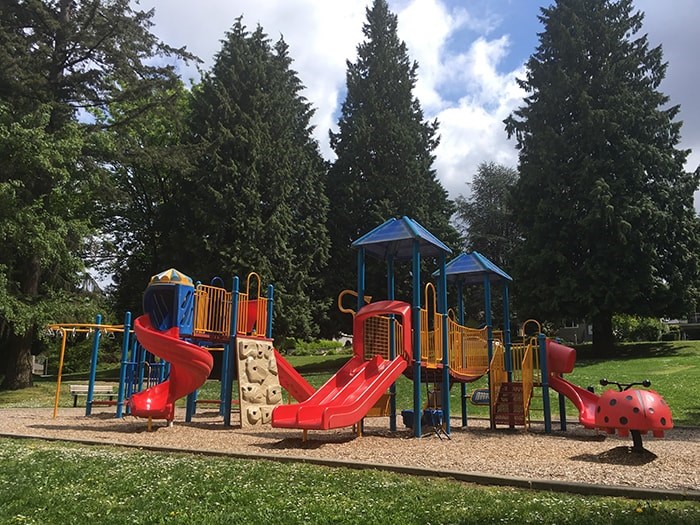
471	124
321	36
461	52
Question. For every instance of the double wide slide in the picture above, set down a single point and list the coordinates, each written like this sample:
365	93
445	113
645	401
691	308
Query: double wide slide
345	398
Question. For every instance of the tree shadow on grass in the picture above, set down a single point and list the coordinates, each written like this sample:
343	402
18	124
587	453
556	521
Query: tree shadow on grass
619	456
587	355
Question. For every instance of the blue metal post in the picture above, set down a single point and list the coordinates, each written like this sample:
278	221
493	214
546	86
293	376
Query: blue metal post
562	412
489	331
390	289
270	310
462	386
125	364
228	358
417	430
442	307
93	365
140	364
190	406
506	331
360	278
542	340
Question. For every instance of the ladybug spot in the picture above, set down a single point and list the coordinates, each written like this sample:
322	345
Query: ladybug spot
635	410
607	419
598	409
613	402
623	420
651	410
663	421
628	398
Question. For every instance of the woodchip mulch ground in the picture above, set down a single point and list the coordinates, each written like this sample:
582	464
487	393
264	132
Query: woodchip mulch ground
577	455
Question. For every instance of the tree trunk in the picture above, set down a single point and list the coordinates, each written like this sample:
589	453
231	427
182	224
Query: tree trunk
18	362
17	354
603	339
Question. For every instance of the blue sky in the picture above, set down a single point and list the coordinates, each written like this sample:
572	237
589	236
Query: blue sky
469	52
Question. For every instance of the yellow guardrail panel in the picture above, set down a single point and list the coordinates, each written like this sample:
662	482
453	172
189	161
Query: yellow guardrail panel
212	307
498	375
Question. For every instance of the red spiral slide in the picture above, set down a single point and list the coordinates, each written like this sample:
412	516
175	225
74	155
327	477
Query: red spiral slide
190	365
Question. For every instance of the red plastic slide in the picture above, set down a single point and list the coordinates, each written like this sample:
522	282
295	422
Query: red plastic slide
624	411
345	398
292	381
190	366
561	360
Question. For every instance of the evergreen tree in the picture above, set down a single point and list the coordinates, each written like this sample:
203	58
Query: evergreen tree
384	154
604	203
59	60
486	217
256	200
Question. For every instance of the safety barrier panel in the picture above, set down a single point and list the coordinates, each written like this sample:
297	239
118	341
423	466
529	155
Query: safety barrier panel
431	330
521	362
212	312
498	375
252	311
469	352
376	338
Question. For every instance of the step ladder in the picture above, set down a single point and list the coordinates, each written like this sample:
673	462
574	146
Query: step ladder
510	406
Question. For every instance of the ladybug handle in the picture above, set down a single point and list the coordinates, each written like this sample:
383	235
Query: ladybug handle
625	386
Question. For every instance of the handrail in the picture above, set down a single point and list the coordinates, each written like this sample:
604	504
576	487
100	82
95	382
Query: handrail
528	381
247	284
431	340
523	332
498	375
367	299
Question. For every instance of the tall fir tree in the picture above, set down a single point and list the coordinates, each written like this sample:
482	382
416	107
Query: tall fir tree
384	148
256	199
59	60
605	204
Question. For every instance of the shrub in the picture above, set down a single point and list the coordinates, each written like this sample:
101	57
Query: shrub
631	328
317	347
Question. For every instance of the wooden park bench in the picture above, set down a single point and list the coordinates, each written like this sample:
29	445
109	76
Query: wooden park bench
98	391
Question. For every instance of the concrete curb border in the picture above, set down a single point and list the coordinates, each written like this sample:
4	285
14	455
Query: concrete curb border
478	478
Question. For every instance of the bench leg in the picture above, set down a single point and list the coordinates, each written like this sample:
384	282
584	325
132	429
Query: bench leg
75	400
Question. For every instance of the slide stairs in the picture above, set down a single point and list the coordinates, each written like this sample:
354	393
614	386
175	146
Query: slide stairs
509	408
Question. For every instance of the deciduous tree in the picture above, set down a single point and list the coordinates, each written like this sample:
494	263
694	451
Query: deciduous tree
59	59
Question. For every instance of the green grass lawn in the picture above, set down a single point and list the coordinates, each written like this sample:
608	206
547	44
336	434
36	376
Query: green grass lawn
672	366
58	483
54	483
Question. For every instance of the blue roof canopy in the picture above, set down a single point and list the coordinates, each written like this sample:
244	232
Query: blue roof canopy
395	237
471	268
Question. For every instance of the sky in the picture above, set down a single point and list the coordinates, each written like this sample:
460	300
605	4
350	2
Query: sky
469	53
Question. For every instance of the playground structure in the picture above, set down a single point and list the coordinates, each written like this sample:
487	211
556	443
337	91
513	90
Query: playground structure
186	325
183	339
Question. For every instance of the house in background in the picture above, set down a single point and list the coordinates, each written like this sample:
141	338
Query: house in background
575	332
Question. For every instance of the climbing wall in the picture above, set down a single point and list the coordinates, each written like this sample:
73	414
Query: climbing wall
259	387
